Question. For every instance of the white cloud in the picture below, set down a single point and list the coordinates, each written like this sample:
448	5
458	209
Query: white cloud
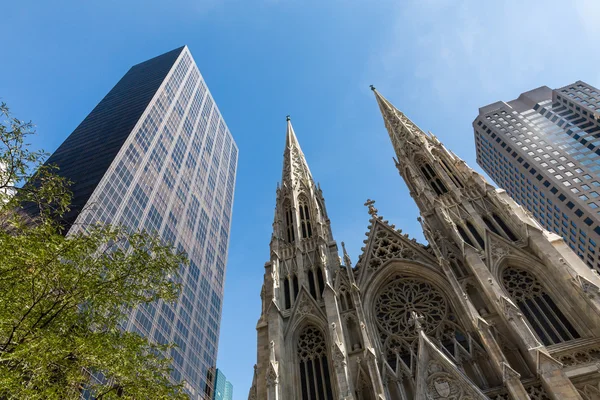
458	47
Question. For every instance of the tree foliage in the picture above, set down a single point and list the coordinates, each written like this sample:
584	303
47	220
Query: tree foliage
64	298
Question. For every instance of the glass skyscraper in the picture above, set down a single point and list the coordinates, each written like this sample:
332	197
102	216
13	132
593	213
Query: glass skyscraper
223	388
156	154
543	148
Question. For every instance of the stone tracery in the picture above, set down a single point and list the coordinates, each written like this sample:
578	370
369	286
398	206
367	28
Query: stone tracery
399	298
387	246
393	306
311	344
314	368
547	320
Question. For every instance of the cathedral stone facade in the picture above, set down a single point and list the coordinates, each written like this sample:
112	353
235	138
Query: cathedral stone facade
494	307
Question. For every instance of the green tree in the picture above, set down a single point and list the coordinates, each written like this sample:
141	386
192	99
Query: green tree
63	298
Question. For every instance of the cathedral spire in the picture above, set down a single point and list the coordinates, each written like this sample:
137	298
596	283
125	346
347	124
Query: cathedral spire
401	129
295	167
300	211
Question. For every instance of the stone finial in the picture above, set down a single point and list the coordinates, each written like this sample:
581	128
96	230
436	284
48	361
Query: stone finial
334	333
372	210
272	350
347	260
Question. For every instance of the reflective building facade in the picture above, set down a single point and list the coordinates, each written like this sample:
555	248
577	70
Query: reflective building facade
156	154
223	388
544	149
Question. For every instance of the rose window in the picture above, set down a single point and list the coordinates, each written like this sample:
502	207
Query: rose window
400	298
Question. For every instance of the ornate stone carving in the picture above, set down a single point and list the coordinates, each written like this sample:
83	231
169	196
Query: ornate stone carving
535	392
272	350
402	302
371	205
546	364
442	385
272	377
590	391
339	359
579	356
334	334
508	373
511	311
387	246
499	251
305	307
311	344
590	289
400	298
520	284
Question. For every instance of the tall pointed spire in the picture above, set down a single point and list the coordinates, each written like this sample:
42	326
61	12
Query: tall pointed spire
400	128
300	212
295	167
384	105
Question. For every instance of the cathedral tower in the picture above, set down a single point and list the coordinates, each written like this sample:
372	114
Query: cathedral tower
300	319
494	307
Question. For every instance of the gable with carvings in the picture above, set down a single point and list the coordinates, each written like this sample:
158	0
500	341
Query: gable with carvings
385	244
305	307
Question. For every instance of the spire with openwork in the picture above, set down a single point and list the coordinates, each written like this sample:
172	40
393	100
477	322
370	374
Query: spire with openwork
298	279
400	128
295	168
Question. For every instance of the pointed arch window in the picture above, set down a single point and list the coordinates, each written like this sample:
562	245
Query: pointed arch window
434	181
311	284
305	225
540	310
457	266
505	228
295	285
320	281
464	236
290	290
315	382
287	293
452	176
289	221
490	225
398	337
345	299
316	283
476	234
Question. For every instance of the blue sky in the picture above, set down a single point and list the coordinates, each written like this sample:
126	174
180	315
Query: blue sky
437	60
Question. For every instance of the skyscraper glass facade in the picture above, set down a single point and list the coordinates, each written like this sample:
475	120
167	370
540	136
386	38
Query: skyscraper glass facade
223	388
544	149
166	163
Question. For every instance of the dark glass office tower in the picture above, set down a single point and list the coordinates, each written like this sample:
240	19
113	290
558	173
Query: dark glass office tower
156	154
544	149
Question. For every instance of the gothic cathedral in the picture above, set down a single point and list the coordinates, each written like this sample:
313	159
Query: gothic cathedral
494	307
